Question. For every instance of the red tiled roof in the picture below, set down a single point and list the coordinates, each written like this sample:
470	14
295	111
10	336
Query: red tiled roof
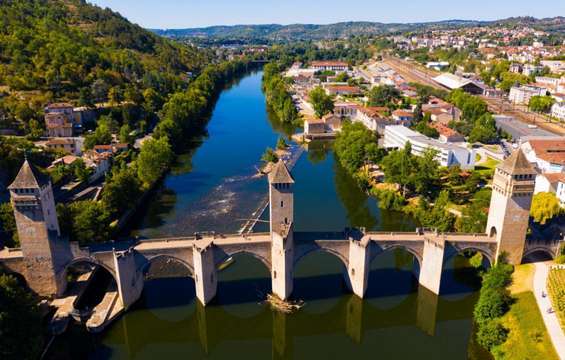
552	151
555	178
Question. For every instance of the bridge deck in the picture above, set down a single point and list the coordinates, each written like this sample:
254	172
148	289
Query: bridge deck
175	243
412	236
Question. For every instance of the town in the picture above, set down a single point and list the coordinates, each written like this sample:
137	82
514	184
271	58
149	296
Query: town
266	176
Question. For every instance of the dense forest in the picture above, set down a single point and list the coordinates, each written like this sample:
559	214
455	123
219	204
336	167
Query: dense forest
69	50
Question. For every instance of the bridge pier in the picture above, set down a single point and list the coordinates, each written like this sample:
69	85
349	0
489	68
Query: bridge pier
432	263
129	280
358	267
282	262
354	319
426	316
205	277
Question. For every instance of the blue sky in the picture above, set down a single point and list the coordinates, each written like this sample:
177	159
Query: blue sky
198	13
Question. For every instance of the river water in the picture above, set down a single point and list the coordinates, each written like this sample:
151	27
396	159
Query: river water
213	189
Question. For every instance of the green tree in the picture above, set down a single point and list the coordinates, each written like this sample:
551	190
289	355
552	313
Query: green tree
541	104
281	144
122	190
125	134
545	206
20	321
321	102
154	159
8	230
356	146
484	130
492	334
383	95
399	166
87	222
269	156
101	136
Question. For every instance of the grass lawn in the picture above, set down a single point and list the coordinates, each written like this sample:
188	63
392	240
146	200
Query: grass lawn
487	168
556	288
522	279
528	338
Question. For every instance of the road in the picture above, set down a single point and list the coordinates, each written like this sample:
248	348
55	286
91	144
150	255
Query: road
415	73
551	322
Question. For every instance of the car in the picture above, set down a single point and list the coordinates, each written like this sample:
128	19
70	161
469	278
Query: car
550	310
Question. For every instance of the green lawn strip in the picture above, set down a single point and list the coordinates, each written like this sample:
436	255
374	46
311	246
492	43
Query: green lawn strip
528	337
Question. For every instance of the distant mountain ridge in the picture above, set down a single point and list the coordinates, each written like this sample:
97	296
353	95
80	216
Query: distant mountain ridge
276	32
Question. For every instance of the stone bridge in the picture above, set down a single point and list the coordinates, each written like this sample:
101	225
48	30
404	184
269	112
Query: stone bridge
45	258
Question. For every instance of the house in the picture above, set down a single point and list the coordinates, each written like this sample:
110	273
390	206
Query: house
403	115
69	145
111	149
314	126
558	111
59	120
396	137
530	69
65	161
345	109
547	153
516	68
369	116
342	90
447	134
523	94
552	183
99	163
453	82
337	66
555	66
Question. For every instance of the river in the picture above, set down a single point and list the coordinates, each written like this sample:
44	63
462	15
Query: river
212	188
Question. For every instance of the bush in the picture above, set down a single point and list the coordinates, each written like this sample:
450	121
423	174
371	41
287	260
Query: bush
493	303
390	200
492	334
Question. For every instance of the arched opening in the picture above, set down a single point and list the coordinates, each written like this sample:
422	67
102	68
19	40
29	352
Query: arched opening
462	270
393	276
537	255
168	284
244	280
91	283
319	276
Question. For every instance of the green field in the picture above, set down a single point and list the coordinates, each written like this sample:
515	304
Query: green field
528	338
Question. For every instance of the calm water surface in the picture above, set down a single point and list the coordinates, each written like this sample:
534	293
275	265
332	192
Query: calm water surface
213	189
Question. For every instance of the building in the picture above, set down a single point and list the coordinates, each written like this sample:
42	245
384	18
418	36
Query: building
546	153
516	68
556	66
347	90
512	191
523	94
337	66
447	134
314	126
396	137
38	230
370	116
553	183
530	69
345	109
453	82
437	65
59	120
558	111
403	115
69	145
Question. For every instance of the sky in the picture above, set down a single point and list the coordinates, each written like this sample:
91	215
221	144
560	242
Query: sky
174	14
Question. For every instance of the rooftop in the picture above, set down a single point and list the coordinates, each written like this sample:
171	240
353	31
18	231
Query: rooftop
280	174
517	164
29	177
550	150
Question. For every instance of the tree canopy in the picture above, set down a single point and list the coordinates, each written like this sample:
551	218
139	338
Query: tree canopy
545	206
323	104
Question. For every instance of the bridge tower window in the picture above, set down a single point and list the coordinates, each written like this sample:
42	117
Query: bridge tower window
275	274
282	203
286	221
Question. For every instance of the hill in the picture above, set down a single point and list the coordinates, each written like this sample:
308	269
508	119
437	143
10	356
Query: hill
274	32
69	50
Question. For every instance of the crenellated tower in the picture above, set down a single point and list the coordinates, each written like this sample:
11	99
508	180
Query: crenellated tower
44	252
512	193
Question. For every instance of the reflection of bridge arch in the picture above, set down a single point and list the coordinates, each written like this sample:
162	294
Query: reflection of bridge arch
151	260
539	249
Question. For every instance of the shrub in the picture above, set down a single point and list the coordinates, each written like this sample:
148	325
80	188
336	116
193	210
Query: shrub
492	334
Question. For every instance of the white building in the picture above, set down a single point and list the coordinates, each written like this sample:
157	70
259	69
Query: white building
337	66
523	94
547	153
453	82
552	183
558	111
556	66
448	155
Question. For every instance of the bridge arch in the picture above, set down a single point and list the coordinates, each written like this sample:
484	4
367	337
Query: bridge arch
550	253
377	249
304	251
486	253
257	256
92	261
145	268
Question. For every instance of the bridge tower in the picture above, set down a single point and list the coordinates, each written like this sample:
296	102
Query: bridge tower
44	251
281	208
512	192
